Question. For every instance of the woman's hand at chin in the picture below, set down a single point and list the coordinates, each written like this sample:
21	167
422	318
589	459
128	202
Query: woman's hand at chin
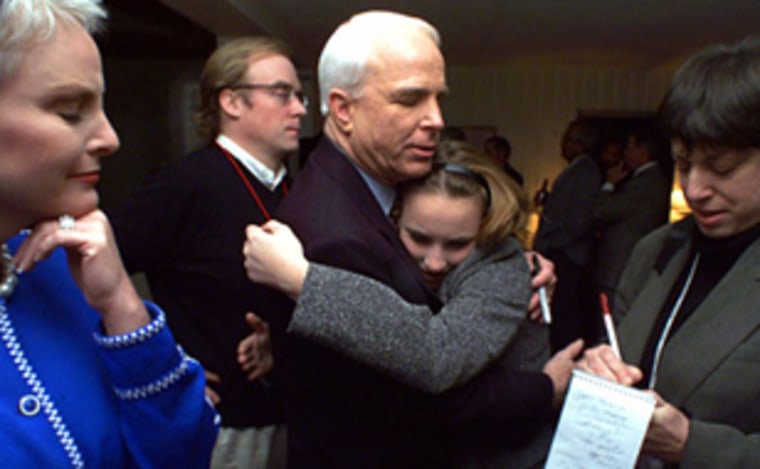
95	265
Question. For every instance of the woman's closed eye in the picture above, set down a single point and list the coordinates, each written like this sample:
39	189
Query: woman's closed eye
419	238
459	243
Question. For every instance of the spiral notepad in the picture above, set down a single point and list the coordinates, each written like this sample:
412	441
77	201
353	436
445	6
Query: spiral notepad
602	425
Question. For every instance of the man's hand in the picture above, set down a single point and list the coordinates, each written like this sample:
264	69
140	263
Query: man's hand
543	278
668	432
254	353
212	378
560	367
616	173
602	361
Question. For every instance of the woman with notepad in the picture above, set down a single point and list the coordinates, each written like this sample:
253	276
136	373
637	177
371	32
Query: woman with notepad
689	302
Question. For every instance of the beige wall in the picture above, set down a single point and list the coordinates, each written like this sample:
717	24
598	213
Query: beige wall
532	105
150	102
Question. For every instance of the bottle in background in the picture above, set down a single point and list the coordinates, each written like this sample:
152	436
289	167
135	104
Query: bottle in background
539	199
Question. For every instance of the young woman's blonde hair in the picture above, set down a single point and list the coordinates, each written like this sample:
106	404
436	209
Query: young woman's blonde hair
461	170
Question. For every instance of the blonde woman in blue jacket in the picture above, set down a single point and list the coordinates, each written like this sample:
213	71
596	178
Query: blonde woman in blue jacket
91	376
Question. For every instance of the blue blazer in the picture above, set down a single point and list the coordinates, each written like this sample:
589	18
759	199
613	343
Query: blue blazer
133	403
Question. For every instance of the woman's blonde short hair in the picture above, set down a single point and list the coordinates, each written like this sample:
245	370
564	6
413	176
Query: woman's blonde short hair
25	24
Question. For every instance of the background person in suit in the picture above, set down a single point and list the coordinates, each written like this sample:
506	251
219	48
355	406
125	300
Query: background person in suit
183	229
381	77
565	235
610	153
499	150
633	201
689	298
452	132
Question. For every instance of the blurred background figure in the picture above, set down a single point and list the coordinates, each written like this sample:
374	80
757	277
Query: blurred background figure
451	132
499	150
565	236
633	201
610	154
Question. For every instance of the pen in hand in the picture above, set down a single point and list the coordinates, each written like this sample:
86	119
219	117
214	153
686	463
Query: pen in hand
608	324
546	313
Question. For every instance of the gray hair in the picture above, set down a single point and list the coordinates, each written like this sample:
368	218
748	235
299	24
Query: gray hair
25	24
344	57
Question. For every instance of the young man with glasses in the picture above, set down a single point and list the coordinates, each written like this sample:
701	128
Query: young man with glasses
184	229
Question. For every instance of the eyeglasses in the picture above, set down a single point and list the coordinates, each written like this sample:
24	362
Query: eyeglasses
282	91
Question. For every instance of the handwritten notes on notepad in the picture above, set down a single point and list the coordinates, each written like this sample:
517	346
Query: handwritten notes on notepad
602	425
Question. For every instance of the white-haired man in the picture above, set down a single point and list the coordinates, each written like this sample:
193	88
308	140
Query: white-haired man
381	77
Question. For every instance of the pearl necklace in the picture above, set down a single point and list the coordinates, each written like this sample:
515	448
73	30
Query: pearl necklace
10	279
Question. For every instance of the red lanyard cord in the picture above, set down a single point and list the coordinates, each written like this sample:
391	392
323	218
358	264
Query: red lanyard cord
248	185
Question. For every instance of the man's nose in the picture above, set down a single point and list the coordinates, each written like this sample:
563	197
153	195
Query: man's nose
434	117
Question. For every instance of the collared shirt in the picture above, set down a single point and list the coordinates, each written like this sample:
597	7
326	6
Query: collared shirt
385	195
644	167
610	187
574	162
265	175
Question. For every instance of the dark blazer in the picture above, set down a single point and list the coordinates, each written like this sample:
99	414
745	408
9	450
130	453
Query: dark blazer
566	220
624	216
341	413
710	367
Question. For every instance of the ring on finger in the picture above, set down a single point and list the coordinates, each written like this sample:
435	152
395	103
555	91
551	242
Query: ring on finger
66	222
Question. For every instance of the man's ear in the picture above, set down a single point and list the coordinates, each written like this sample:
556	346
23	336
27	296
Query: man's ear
230	103
341	106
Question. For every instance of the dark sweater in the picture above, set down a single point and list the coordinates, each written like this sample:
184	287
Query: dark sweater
184	228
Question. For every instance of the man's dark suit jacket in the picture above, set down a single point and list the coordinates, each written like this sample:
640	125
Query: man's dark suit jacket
344	414
635	208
